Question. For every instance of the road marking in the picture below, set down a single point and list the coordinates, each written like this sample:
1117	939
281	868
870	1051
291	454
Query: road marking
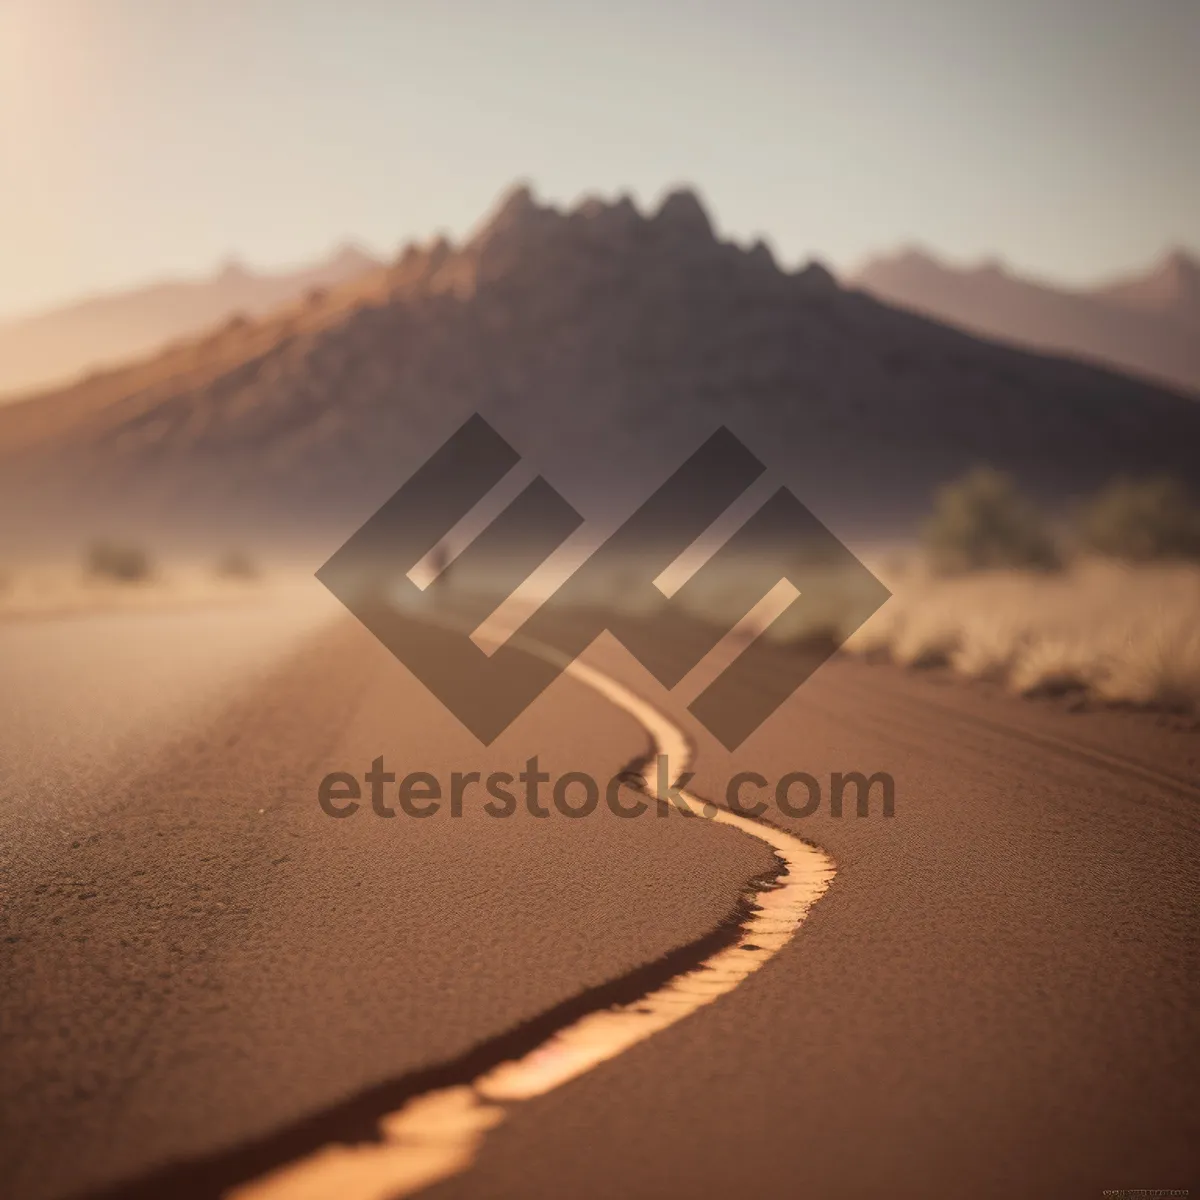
439	1134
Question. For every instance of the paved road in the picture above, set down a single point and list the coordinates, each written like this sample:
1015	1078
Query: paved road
996	997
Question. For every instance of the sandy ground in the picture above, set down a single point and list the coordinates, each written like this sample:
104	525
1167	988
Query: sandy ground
197	954
995	998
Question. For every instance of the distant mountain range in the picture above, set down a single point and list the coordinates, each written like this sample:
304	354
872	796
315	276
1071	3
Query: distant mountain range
1169	289
1148	324
605	343
56	346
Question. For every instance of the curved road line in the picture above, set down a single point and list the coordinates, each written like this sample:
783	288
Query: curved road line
438	1134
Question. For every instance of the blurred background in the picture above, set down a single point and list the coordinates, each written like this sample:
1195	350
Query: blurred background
935	264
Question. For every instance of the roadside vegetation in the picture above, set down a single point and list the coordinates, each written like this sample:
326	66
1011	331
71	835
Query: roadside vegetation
983	522
112	575
1150	520
235	565
1116	621
114	562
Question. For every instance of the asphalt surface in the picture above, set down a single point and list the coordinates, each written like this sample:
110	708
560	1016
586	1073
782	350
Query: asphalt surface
997	997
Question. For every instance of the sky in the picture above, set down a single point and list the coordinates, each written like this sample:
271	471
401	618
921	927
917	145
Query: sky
149	138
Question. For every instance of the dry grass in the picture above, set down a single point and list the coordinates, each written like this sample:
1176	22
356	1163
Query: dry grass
1113	633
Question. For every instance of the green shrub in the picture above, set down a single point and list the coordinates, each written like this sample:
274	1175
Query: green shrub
983	521
1141	520
118	563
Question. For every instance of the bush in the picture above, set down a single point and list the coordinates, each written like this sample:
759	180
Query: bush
236	565
1141	520
118	563
983	521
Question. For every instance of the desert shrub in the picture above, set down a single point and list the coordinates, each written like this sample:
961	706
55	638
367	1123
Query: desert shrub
982	521
118	563
1157	667
1141	520
1055	666
236	565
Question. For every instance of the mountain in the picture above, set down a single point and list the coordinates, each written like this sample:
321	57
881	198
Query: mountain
54	346
1169	289
605	344
1148	325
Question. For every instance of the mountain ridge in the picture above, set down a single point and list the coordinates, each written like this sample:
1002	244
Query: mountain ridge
106	329
1146	323
599	337
1170	287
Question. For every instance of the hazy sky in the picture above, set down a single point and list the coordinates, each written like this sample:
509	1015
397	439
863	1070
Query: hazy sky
147	137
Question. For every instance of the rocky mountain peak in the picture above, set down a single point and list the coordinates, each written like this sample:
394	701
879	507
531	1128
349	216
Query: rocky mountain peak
516	213
596	333
1181	271
232	270
682	210
349	258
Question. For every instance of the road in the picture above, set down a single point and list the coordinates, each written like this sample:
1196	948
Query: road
206	976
